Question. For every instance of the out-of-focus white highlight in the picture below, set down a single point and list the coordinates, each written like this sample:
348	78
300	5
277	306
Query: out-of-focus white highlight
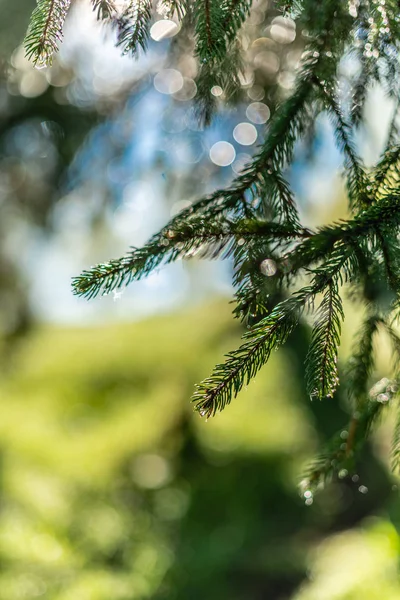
258	112
222	154
245	134
168	81
163	29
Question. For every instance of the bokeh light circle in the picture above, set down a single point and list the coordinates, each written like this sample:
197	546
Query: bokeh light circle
187	91
216	90
163	29
268	267
168	81
245	134
258	112
256	92
222	154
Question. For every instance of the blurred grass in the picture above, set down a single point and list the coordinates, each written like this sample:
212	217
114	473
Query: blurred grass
113	489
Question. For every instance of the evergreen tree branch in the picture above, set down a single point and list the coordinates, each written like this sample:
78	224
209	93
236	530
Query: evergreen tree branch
209	30
364	225
133	26
171	7
209	240
357	180
193	234
228	378
385	174
235	14
45	30
104	9
321	361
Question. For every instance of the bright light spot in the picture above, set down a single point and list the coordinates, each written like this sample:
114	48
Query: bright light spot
268	268
117	294
282	35
168	81
216	90
163	29
222	154
245	134
283	30
188	90
258	112
382	398
286	80
151	471
32	84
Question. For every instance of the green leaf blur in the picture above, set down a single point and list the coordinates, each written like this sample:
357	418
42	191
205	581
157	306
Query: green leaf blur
113	489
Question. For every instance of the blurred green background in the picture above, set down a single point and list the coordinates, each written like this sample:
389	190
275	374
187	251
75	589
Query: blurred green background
111	487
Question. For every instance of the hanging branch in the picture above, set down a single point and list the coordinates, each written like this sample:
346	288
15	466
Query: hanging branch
321	361
133	26
228	378
45	30
169	8
104	9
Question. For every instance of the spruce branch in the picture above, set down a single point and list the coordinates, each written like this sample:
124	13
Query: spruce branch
104	9
357	181
224	74
193	232
353	231
133	26
321	361
385	174
45	30
169	8
235	14
207	240
209	21
228	378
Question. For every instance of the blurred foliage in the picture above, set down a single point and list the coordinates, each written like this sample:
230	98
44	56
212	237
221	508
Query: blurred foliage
112	488
37	143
